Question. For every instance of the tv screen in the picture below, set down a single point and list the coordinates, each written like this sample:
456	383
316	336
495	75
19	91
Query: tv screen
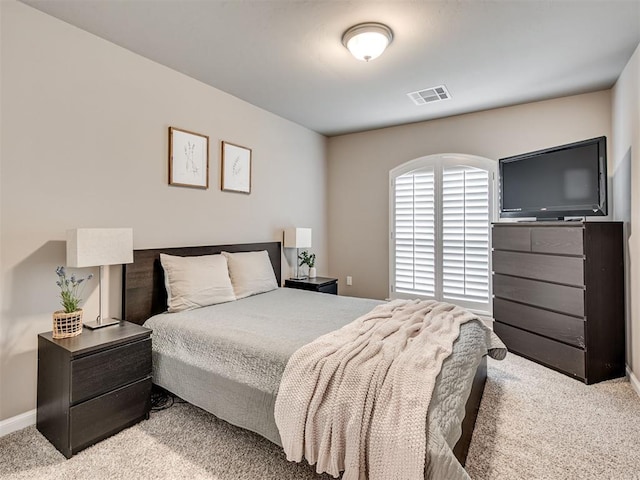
569	180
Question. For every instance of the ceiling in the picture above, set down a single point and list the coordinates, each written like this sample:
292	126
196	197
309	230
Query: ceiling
286	56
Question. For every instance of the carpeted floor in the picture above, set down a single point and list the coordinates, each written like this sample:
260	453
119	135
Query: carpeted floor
533	424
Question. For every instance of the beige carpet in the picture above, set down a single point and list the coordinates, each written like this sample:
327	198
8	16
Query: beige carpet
533	424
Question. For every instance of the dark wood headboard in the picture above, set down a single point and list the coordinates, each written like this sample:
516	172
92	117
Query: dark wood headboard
143	289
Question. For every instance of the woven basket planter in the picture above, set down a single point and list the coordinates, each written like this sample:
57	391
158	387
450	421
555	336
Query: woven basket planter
67	324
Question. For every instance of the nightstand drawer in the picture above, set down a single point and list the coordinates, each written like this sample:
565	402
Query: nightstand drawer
331	288
103	416
101	372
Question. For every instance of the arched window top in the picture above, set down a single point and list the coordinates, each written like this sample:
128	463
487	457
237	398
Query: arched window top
441	208
444	158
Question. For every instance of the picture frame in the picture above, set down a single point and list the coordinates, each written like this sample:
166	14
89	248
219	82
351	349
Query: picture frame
236	168
188	158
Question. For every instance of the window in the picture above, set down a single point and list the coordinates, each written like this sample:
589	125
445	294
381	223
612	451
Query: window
441	210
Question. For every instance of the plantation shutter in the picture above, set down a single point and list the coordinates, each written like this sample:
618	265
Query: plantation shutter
414	233
465	234
440	245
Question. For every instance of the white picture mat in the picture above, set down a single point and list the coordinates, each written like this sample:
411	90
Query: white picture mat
236	168
189	154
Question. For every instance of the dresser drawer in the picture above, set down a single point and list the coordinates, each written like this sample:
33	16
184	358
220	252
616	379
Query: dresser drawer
563	357
107	414
558	240
550	324
98	373
551	268
511	238
560	298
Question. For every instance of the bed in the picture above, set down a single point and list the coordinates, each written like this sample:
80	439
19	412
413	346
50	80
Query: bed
228	358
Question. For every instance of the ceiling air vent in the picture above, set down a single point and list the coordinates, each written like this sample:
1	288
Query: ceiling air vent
430	95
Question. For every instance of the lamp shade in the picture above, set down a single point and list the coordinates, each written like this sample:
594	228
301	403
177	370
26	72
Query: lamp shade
297	238
92	247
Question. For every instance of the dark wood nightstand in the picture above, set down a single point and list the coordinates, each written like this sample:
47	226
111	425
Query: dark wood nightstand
317	284
93	385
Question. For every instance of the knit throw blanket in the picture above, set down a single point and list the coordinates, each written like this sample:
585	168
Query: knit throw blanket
356	399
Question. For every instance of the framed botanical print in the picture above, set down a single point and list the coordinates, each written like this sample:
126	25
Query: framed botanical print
188	158
236	168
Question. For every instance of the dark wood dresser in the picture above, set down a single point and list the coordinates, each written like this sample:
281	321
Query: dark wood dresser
559	295
93	385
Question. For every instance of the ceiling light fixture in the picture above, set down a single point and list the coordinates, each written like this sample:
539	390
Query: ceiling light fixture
367	41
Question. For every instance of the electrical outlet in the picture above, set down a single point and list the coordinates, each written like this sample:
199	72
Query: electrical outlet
349	280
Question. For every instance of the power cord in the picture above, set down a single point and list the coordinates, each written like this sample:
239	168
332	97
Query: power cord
161	399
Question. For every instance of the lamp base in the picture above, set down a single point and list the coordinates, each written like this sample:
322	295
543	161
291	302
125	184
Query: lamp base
298	278
99	323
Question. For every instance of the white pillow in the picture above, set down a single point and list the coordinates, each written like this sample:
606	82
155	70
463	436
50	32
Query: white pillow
251	273
194	282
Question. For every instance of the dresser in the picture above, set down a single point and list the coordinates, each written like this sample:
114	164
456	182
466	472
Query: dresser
559	295
92	385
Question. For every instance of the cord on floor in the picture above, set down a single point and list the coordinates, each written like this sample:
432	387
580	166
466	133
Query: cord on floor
161	399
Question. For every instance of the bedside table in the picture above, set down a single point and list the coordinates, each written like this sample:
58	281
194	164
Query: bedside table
317	284
93	385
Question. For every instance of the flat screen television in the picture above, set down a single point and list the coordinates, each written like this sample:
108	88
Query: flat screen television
565	181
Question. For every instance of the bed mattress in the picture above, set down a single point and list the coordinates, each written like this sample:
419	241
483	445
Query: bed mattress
229	358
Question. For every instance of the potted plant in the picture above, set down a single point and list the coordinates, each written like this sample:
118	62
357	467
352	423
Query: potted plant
309	260
68	322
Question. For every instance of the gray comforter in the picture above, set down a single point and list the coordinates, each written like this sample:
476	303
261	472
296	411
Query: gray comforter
228	359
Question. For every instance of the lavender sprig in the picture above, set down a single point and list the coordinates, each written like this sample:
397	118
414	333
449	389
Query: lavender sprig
70	289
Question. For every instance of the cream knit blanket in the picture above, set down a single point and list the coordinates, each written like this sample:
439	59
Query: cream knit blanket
356	399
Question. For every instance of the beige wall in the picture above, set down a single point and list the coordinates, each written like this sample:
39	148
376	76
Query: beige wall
84	144
2	334
359	164
626	158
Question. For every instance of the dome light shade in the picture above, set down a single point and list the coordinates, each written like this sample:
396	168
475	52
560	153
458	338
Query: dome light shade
367	41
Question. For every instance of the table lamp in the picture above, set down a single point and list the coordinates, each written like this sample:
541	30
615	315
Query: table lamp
297	238
92	247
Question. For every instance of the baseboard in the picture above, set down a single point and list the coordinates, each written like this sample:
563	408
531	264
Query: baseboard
635	384
17	423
